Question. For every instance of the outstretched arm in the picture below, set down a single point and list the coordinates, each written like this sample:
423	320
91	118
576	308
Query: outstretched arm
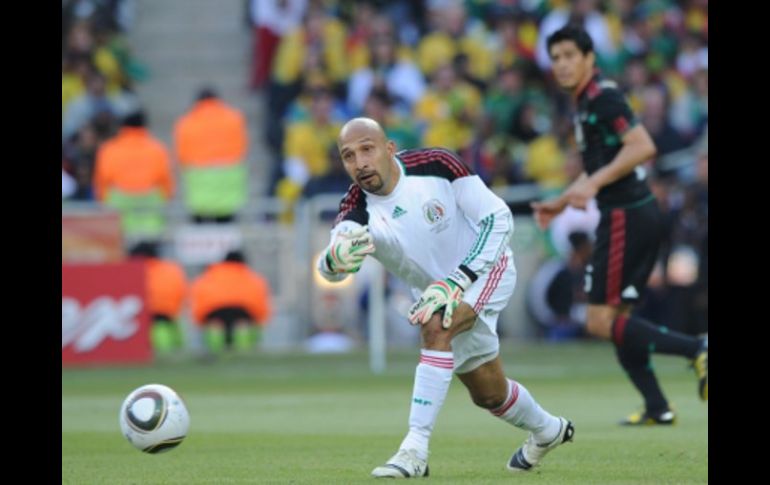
545	211
637	148
613	111
350	244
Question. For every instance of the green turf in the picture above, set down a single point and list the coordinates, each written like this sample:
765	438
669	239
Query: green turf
324	419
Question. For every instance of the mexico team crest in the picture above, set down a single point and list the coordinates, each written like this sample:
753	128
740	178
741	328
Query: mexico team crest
434	211
435	214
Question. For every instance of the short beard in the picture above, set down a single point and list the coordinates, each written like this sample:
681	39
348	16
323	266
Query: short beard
375	187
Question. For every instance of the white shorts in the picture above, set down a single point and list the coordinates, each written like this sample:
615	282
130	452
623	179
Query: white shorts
488	296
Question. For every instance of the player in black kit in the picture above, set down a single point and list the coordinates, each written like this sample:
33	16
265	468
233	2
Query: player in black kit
613	147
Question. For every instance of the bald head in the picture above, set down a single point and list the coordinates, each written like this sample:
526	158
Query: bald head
360	128
367	155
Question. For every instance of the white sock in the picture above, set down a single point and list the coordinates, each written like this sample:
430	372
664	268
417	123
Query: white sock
521	410
431	384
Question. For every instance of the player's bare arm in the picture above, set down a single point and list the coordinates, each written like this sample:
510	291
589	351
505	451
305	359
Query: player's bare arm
545	211
638	147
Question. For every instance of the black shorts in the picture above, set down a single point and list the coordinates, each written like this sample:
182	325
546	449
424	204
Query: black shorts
625	251
228	315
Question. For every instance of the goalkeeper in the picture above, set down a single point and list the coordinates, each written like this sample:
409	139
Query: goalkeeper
433	223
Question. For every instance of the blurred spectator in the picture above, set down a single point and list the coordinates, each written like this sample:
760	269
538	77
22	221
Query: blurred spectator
555	295
272	20
515	37
585	13
96	105
166	287
453	34
679	284
505	98
310	57
316	49
306	149
693	56
97	73
335	181
636	77
655	118
232	303
480	152
544	163
133	175
400	78
81	42
80	159
68	185
74	73
448	111
211	141
399	128
365	25
690	112
329	335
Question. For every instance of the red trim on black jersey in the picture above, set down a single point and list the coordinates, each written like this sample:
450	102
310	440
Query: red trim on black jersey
434	161
620	124
592	88
353	207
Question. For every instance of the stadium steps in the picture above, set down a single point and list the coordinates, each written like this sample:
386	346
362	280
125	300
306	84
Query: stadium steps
189	43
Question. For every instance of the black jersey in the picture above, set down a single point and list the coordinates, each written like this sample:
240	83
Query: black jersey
603	117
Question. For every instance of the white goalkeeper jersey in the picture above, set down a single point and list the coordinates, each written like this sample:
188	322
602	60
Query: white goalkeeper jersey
440	216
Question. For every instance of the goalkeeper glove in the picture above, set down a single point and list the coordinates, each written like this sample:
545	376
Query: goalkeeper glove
348	250
446	293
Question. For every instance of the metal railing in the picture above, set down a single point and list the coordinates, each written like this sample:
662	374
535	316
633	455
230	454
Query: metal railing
283	253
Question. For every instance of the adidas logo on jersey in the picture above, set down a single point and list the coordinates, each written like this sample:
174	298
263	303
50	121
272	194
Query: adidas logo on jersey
398	212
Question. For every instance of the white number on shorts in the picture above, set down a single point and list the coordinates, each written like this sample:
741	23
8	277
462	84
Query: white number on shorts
588	279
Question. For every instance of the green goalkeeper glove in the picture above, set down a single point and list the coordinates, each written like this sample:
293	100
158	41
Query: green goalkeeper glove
446	293
349	249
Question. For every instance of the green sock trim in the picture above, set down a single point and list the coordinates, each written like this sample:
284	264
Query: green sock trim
214	338
245	338
162	338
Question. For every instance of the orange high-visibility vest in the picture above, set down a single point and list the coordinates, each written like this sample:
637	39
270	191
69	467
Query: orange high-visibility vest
211	133
134	162
166	287
229	284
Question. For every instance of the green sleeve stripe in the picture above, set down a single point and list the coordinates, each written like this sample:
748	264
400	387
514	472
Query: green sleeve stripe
482	239
483	226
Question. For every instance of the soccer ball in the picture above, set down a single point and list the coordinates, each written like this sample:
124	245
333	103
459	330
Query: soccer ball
154	418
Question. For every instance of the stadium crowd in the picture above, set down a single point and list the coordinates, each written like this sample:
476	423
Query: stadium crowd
471	76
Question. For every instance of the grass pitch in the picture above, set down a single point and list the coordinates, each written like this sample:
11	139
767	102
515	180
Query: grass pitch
300	419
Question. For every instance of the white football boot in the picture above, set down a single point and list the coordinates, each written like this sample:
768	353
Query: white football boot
404	464
531	452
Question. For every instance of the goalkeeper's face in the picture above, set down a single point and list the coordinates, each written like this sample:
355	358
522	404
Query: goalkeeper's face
368	157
